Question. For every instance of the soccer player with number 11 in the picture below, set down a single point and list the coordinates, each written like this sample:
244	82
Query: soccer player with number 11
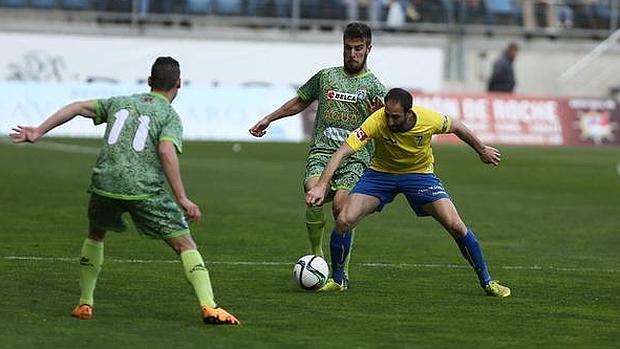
142	138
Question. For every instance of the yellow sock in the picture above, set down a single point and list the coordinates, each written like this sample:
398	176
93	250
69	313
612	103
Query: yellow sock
315	224
91	259
198	275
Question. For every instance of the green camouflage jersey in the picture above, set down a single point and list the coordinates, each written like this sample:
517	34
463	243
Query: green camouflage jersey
341	108
128	166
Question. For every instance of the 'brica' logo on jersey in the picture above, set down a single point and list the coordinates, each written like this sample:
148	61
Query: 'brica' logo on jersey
360	134
342	97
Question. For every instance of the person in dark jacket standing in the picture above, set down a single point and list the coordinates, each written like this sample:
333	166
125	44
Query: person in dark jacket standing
503	75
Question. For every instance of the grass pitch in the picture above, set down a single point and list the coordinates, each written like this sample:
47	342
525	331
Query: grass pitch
548	220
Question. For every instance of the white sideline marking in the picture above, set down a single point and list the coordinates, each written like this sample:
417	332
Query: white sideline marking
372	265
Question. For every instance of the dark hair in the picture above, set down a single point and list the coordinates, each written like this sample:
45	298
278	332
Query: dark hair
401	96
165	73
356	30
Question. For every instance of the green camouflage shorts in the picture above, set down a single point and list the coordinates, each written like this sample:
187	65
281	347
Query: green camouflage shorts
345	177
157	217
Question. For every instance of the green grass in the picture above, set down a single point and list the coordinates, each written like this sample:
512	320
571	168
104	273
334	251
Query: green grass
548	220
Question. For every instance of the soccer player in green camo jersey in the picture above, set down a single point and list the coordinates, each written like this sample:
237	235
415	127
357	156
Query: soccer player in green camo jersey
346	95
139	152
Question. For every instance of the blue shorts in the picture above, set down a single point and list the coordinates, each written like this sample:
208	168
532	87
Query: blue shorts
419	188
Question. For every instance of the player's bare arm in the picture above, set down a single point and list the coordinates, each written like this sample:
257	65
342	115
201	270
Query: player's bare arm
170	164
316	194
488	155
30	134
292	107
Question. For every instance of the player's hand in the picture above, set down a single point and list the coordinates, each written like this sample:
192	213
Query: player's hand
25	134
374	105
260	128
192	211
316	195
490	155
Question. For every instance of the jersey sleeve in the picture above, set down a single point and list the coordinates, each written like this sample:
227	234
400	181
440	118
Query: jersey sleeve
367	131
440	123
102	107
310	90
173	132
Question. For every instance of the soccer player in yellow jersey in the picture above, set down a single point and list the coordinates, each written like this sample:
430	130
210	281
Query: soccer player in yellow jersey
403	163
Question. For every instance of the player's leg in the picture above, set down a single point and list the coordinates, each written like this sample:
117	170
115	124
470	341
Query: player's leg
315	221
373	191
103	214
198	276
344	180
160	217
357	207
91	260
444	211
194	267
338	205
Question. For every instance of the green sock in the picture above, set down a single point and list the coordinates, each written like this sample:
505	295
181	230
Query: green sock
315	223
346	261
91	259
198	275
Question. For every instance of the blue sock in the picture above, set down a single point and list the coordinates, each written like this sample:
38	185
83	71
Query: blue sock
473	254
340	245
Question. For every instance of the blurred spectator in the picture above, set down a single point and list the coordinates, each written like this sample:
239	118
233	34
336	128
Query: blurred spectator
311	9
375	11
197	7
228	7
501	12
396	15
353	8
471	11
114	6
503	76
530	14
268	8
430	11
565	13
594	14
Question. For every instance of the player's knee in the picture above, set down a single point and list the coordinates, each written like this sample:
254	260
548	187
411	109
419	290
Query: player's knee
343	223
182	243
96	234
336	211
456	228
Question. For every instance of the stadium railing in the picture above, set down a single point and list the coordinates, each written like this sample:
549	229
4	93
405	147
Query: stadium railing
530	18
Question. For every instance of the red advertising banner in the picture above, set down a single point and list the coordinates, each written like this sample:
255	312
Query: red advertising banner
514	119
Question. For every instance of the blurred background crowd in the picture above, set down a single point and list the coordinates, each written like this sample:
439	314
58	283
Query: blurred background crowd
527	16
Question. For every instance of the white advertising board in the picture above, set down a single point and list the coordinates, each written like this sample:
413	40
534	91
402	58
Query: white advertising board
204	62
208	113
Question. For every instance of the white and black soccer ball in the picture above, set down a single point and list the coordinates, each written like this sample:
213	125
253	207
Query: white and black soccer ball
311	272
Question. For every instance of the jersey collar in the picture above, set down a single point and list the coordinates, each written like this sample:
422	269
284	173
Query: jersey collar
356	75
155	94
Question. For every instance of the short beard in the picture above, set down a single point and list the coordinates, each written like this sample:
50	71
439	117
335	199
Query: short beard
351	71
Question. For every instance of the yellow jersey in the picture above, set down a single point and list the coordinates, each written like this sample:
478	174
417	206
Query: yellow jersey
395	152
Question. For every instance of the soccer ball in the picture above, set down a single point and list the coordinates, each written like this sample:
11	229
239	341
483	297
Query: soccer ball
310	272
